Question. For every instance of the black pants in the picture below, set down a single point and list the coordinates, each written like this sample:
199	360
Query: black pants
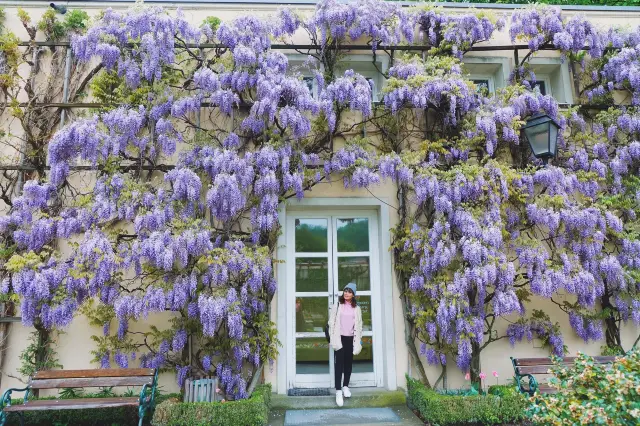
343	361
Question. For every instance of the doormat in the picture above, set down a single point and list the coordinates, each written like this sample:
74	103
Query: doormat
308	392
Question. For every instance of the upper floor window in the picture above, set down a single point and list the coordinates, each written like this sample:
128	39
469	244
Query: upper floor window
552	78
487	73
360	64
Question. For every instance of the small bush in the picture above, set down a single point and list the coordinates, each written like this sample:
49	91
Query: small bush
592	393
444	410
503	390
246	412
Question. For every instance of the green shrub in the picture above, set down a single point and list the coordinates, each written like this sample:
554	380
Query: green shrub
123	416
592	393
472	391
503	390
246	412
444	410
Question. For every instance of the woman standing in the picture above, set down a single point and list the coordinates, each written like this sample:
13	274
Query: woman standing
345	333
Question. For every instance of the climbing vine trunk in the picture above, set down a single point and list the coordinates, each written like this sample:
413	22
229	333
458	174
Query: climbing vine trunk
409	326
475	365
7	310
612	325
42	350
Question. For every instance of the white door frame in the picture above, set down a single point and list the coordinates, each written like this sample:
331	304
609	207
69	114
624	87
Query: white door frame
384	352
332	217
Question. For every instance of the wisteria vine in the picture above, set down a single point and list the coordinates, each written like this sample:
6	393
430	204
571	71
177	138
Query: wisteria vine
484	227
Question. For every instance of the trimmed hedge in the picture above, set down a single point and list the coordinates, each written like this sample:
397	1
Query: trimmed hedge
253	411
123	416
441	410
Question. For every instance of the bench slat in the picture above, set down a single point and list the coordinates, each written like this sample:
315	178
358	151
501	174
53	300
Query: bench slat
567	360
534	369
91	382
105	372
539	361
543	388
74	404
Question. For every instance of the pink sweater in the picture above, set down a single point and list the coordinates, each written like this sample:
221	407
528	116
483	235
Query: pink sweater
347	319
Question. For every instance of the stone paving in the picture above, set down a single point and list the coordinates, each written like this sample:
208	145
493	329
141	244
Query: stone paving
378	416
367	406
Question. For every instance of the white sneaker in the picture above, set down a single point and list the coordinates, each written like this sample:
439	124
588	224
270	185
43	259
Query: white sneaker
346	392
339	400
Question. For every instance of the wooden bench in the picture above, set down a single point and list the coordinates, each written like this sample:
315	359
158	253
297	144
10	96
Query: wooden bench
61	379
527	367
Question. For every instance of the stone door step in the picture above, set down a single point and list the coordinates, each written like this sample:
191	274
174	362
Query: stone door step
361	398
337	416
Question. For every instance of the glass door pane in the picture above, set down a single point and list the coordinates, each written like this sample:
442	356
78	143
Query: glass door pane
313	282
312	355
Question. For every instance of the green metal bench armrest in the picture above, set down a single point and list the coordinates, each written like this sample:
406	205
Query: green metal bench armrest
533	383
6	401
6	397
147	397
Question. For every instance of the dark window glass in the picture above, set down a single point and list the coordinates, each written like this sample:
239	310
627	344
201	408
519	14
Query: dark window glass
312	274
312	356
309	82
539	86
311	235
353	234
354	270
481	85
312	313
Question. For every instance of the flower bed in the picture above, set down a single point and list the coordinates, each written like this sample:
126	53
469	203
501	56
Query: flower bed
592	393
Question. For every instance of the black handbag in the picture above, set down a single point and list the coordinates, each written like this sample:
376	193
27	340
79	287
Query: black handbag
326	330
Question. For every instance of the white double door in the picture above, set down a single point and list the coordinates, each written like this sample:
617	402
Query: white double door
326	252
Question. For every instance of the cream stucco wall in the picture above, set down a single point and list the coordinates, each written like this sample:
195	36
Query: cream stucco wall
75	345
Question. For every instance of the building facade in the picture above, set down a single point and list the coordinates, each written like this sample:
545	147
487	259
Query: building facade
335	236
